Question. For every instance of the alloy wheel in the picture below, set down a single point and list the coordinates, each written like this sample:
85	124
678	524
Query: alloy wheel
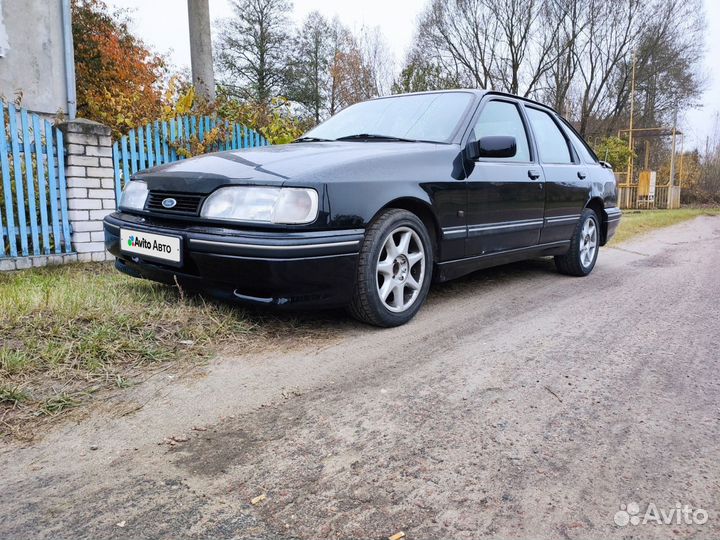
588	242
400	269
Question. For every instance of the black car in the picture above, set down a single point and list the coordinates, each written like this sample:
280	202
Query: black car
369	207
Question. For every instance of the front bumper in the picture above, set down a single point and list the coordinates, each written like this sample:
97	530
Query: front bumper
308	269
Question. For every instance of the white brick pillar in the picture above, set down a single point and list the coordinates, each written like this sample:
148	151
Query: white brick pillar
90	185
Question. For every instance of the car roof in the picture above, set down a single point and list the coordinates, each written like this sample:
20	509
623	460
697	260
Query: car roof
478	92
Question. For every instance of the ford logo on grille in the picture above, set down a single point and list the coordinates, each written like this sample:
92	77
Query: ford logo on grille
169	203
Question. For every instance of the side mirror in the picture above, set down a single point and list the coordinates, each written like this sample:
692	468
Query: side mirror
494	146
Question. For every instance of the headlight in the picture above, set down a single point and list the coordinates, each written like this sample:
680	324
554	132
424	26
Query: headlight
262	204
134	195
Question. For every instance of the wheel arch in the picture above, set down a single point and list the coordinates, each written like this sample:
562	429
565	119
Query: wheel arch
597	205
422	210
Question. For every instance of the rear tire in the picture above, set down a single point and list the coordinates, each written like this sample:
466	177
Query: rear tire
394	270
584	246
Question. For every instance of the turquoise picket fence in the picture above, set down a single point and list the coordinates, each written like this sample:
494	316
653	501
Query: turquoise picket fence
163	142
33	202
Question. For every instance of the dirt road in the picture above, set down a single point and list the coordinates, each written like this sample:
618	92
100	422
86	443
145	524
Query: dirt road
520	403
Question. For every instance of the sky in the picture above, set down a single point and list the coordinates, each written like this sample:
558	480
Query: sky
396	19
162	24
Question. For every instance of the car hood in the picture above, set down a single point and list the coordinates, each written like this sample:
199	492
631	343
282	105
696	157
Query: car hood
295	164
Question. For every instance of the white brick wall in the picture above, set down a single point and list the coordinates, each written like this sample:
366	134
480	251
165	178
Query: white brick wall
100	151
84	161
102	194
90	186
88	226
84	204
22	263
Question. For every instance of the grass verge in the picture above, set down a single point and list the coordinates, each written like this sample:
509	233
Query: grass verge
635	222
68	332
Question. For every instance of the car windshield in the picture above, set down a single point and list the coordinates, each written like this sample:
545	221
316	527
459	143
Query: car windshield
417	117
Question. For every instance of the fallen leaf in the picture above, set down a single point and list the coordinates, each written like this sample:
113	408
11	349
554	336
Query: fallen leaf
397	536
258	499
121	524
199	428
180	438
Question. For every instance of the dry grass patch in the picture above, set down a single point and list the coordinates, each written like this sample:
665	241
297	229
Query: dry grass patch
71	331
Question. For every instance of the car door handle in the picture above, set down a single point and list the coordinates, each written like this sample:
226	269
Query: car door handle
534	174
582	175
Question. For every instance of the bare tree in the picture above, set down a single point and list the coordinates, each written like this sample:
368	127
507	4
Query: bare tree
669	46
377	59
560	77
607	42
460	37
529	46
575	54
252	48
507	45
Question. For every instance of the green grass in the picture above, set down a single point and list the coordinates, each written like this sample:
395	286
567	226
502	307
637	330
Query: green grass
635	222
68	331
59	403
12	396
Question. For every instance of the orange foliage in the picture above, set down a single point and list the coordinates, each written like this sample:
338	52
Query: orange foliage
118	78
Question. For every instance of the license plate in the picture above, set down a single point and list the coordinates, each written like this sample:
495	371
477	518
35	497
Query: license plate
156	246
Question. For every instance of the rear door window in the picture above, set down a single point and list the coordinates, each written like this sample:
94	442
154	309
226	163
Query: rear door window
581	146
551	143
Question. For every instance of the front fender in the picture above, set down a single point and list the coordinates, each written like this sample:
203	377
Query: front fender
356	204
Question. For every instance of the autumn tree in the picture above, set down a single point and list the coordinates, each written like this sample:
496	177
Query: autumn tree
359	69
118	78
331	67
352	80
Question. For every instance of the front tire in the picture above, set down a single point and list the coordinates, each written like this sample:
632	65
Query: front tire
584	246
394	270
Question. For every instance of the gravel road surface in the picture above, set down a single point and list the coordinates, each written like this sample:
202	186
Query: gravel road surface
519	404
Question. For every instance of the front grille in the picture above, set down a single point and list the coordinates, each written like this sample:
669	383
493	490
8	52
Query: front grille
185	203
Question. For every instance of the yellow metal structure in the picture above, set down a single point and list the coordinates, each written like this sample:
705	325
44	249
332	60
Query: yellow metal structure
646	189
666	192
644	184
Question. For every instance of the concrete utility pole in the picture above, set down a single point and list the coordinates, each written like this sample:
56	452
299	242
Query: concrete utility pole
671	182
201	60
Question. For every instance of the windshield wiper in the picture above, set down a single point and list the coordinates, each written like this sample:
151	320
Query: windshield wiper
311	139
372	137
